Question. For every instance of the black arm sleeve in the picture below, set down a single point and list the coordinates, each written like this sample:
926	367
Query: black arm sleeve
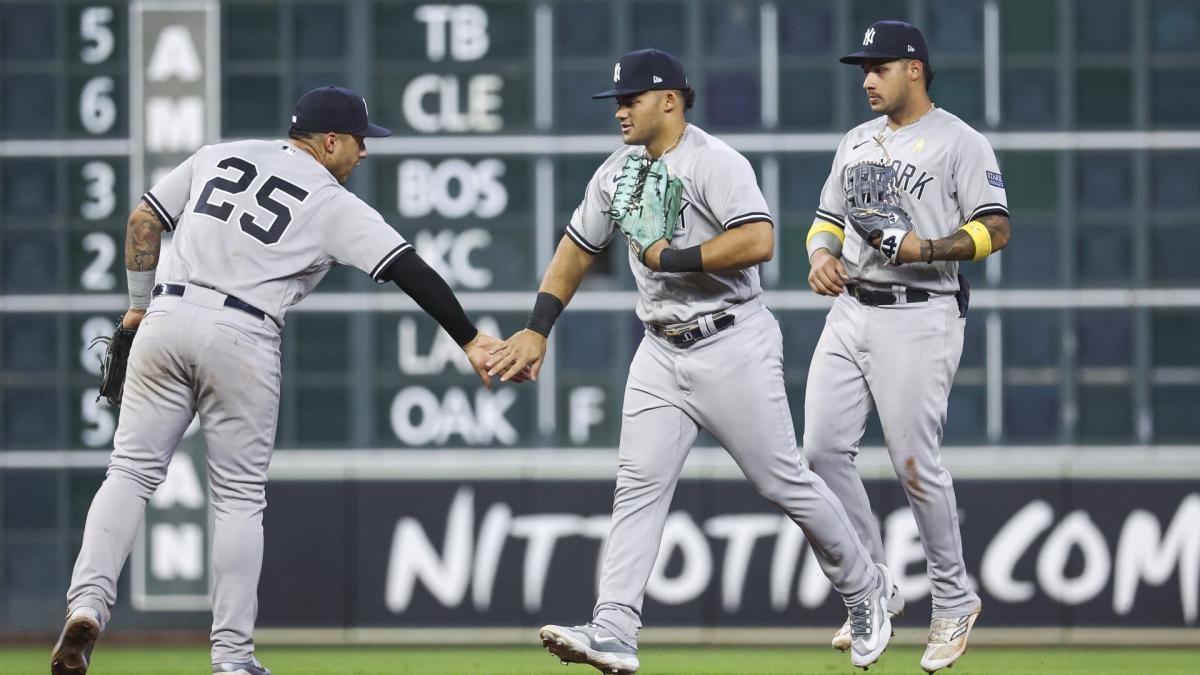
431	293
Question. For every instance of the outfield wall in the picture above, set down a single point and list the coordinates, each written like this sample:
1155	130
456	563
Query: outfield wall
1080	545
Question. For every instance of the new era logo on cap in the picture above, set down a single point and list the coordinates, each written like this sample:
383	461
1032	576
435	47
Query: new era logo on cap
656	79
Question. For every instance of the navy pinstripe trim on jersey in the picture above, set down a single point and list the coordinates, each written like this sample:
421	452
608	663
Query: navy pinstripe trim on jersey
167	221
988	210
751	217
387	261
831	218
582	243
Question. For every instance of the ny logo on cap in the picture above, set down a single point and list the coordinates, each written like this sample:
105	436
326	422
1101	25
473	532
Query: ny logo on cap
617	73
869	37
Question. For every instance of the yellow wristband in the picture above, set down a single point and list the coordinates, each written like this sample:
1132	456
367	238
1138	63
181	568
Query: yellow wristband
820	226
982	238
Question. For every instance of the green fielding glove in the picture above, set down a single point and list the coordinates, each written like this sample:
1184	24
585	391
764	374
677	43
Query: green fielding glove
646	203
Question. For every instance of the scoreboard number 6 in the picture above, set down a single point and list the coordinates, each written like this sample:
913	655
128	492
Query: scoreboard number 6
97	110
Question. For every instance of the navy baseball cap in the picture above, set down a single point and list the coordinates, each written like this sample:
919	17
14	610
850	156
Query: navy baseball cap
888	41
335	109
643	70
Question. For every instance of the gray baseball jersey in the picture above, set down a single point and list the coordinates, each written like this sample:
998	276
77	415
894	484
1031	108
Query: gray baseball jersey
901	358
719	192
264	222
261	221
729	383
947	175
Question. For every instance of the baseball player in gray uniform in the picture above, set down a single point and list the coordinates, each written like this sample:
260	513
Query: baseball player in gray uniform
711	358
256	224
910	194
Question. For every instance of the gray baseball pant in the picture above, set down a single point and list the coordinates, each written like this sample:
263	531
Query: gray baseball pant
901	359
191	355
731	385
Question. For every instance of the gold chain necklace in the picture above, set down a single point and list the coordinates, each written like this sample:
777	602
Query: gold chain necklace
883	136
664	152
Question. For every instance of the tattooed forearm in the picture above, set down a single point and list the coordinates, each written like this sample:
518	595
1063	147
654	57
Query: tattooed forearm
143	239
960	246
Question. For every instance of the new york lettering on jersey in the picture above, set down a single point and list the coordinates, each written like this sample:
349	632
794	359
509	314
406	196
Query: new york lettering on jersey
946	175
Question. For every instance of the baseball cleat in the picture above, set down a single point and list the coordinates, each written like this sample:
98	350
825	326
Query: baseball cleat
947	641
871	624
251	667
841	639
590	644
73	653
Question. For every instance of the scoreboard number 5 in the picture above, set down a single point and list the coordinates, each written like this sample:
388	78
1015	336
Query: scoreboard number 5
98	41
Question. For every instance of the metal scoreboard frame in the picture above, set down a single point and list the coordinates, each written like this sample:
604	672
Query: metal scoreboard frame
176	82
186	88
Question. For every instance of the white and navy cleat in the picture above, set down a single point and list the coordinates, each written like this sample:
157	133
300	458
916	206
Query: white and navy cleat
871	624
590	644
841	639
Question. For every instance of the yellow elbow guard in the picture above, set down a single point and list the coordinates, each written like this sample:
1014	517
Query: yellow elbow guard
982	238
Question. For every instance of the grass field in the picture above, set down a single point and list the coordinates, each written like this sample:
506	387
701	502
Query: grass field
123	660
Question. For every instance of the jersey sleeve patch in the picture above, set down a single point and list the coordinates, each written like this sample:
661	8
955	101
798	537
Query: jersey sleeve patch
582	243
751	217
156	206
995	179
387	261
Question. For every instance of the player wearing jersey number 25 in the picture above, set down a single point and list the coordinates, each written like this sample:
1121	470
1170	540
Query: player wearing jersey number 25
910	195
711	358
257	225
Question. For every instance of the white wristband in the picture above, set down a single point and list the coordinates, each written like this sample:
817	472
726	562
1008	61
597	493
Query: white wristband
889	243
141	284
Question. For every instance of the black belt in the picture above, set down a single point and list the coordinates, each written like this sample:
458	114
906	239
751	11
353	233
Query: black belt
230	301
688	334
874	298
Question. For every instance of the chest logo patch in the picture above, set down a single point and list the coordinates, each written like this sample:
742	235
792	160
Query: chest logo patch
919	145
